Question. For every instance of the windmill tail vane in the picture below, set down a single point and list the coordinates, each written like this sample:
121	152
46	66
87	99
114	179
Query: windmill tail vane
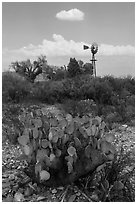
85	47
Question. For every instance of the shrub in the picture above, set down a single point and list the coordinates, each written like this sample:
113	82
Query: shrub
40	91
114	181
121	170
103	92
14	87
130	112
114	97
60	73
79	108
49	91
11	125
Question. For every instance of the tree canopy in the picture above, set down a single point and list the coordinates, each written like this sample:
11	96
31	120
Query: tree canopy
30	70
73	68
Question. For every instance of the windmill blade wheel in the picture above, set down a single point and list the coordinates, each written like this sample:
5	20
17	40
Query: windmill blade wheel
94	48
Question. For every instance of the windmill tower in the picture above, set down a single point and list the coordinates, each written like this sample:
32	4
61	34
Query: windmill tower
94	49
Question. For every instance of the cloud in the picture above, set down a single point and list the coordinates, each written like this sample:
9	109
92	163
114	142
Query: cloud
110	50
71	15
59	47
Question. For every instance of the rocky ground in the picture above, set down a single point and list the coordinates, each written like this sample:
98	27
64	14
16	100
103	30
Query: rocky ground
17	186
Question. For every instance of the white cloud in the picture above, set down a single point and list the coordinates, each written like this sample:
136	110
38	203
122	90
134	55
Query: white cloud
116	50
70	15
60	47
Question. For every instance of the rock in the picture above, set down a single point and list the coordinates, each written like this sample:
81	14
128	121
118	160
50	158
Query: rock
40	198
60	188
9	198
72	198
78	193
54	191
14	188
21	190
28	191
125	126
11	177
94	197
6	185
38	189
19	197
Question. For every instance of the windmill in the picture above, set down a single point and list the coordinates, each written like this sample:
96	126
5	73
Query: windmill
94	49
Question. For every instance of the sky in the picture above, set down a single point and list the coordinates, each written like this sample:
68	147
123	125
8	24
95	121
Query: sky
60	29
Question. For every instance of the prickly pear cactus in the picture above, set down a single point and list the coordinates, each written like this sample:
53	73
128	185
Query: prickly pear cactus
59	148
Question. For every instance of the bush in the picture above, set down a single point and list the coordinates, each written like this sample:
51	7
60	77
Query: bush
103	92
48	92
11	125
114	97
121	170
79	108
60	74
40	91
14	87
114	181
